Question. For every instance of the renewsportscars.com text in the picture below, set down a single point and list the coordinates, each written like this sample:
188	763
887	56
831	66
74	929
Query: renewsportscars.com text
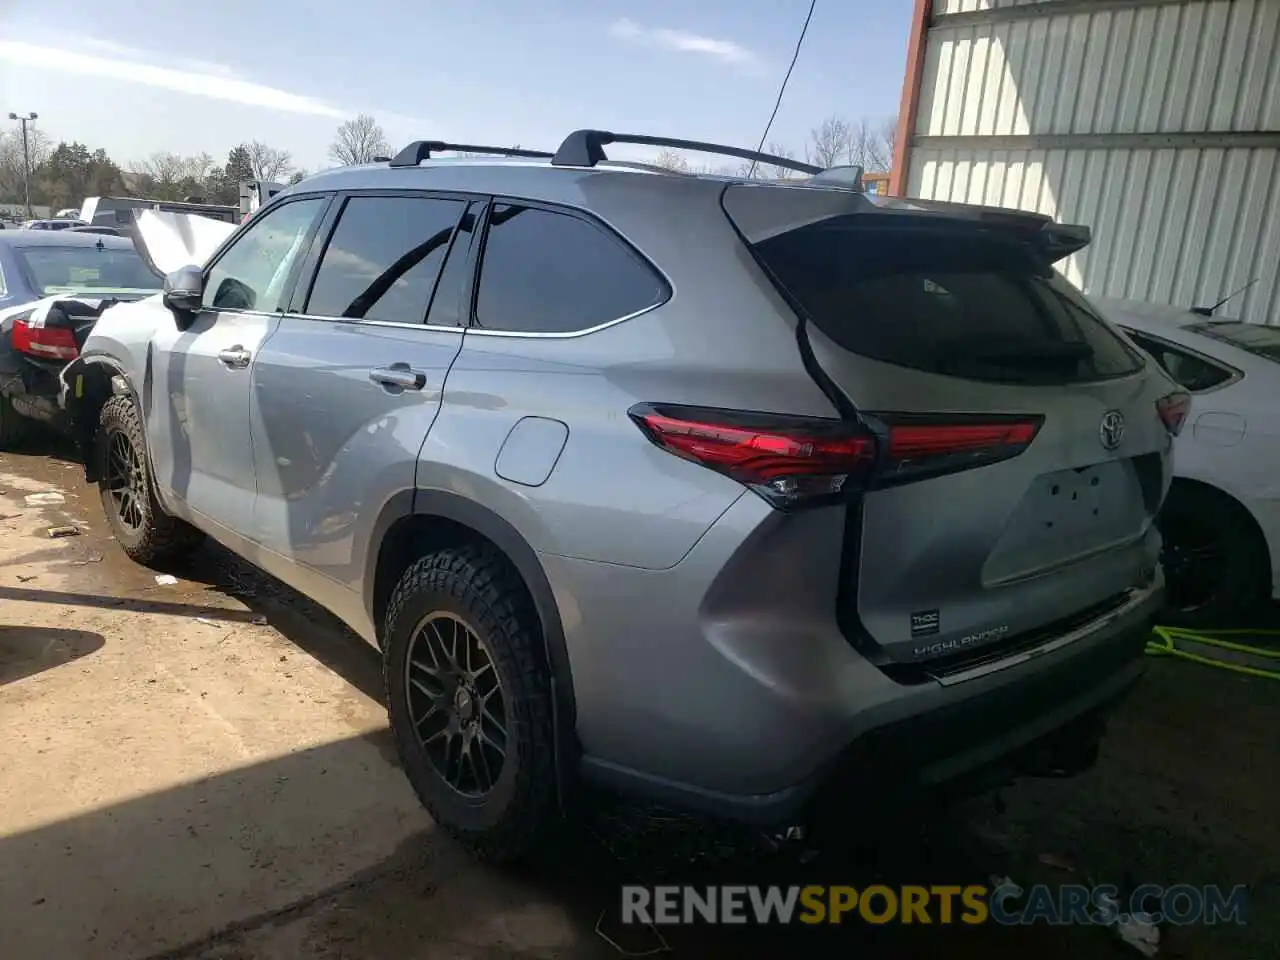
1067	904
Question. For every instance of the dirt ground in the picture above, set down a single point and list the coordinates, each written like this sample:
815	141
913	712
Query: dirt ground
202	770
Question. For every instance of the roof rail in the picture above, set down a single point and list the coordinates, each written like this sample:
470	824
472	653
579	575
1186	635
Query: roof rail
420	150
585	148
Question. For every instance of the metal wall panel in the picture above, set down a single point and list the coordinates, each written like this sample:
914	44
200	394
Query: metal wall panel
1169	226
941	7
1182	225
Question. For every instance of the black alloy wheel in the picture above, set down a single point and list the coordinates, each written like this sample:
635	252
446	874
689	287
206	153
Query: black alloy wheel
125	481
456	704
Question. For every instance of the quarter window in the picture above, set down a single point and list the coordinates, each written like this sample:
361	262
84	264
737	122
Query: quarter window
253	273
384	258
1188	370
548	272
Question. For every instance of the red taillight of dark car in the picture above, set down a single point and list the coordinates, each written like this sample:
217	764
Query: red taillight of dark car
44	343
1173	410
800	461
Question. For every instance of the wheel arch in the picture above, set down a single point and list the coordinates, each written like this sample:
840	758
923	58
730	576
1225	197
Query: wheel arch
1203	488
412	520
91	381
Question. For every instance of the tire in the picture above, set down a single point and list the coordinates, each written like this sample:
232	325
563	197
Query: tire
144	531
1216	563
473	585
14	427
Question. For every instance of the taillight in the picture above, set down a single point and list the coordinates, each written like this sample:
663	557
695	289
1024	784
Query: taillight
923	446
1173	410
46	343
795	461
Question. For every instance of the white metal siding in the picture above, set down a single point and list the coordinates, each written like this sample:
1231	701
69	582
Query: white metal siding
1180	225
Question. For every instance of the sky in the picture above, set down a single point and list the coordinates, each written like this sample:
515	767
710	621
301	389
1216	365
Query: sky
149	76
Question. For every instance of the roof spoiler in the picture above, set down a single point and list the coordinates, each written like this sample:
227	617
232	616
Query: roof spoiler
1053	241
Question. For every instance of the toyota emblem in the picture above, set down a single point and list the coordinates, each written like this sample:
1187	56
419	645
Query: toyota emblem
1111	430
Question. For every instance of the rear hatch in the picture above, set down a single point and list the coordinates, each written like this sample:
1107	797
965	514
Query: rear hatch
1022	445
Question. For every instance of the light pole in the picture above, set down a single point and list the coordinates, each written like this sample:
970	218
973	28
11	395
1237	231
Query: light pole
26	157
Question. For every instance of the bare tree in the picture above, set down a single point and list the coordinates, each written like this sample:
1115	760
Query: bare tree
871	144
267	162
11	159
359	141
776	172
173	167
829	143
171	176
670	160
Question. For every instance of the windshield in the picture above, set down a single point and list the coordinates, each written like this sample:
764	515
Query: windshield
81	269
1257	339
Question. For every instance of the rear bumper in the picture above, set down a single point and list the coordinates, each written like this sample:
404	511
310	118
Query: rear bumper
730	689
31	387
1029	724
34	394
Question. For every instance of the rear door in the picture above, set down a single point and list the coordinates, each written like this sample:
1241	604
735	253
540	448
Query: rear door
1024	454
347	388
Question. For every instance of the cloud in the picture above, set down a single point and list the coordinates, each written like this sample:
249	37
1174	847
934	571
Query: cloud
726	51
118	51
135	66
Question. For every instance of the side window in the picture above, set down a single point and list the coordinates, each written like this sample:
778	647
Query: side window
546	272
1186	369
384	258
252	274
447	305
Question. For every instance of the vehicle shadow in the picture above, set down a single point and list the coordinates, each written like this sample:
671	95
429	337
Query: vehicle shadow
307	855
134	605
26	651
46	442
302	621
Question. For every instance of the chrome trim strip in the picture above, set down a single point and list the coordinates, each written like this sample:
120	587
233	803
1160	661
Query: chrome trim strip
1139	596
567	335
357	322
478	332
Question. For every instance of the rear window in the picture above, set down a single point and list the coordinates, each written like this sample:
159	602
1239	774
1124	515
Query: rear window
1253	337
954	300
84	269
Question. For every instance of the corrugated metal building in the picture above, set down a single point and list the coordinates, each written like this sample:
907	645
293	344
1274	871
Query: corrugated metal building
1156	122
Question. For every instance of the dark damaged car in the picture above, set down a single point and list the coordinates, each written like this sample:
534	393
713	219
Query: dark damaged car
53	288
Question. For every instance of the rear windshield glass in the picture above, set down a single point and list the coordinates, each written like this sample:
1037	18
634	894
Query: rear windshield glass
958	301
90	268
1257	339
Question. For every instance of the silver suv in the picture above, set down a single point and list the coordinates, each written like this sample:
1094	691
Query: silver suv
735	494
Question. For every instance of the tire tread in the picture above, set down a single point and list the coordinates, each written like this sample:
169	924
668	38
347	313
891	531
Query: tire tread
163	537
479	576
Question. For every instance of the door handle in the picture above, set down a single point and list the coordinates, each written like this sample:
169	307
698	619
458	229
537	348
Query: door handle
399	375
236	356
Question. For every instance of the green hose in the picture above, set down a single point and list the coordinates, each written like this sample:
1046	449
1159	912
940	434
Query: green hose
1164	643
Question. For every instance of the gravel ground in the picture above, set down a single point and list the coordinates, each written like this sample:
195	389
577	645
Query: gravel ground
202	770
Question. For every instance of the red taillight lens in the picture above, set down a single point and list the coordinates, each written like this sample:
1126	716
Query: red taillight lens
786	460
928	446
801	460
45	343
1173	410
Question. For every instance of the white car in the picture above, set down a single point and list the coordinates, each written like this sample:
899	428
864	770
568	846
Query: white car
1221	521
